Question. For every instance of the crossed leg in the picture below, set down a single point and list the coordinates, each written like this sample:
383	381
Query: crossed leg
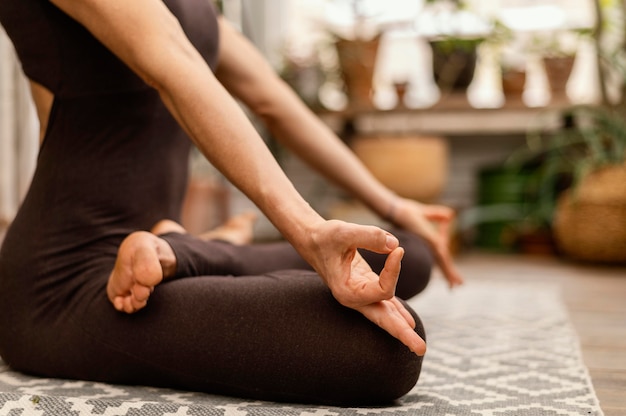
144	259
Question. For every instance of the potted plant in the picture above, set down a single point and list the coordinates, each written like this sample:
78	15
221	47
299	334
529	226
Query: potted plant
509	214
512	69
454	52
558	54
513	80
357	50
454	61
588	215
512	61
357	60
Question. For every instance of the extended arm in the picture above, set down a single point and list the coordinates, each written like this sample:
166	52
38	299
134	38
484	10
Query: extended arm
246	74
148	38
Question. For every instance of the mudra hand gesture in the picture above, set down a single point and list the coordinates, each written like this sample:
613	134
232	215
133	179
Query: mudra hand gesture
353	283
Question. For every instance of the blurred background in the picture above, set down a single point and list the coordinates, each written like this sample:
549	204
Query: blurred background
509	111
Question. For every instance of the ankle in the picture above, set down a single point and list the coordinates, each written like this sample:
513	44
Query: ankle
167	258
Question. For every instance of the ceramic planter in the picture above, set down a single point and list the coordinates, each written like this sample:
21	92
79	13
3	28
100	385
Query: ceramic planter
357	60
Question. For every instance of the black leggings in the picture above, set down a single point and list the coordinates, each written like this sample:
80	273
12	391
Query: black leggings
247	321
215	258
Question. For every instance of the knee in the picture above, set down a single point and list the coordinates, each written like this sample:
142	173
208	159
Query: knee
407	366
397	380
389	370
402	370
416	265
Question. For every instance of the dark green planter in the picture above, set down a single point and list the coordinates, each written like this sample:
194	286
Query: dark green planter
502	196
454	62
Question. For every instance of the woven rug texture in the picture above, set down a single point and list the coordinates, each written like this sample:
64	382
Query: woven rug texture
502	349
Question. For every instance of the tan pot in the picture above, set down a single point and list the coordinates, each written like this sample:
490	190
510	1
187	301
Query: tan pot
513	82
357	59
590	221
558	71
414	167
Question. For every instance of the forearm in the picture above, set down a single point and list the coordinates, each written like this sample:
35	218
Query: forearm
247	75
223	133
299	129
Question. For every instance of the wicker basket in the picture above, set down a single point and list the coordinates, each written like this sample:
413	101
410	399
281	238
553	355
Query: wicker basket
412	166
590	221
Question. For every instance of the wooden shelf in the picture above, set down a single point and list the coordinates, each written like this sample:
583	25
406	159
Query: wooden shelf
452	115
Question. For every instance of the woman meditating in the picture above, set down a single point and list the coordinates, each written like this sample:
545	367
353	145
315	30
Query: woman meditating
98	281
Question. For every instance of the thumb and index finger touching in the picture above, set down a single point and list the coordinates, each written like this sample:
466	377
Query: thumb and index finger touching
367	286
387	311
380	305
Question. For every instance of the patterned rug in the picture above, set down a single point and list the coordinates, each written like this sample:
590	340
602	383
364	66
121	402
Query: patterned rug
494	349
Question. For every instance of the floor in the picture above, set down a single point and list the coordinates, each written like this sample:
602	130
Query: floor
596	300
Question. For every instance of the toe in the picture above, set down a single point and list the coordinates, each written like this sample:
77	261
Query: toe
140	293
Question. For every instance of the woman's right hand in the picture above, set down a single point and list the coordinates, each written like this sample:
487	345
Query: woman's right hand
332	251
431	222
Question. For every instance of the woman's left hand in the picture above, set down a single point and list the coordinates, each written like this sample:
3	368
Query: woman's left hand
333	253
389	314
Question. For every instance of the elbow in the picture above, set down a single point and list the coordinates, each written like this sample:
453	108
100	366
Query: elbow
151	81
266	110
273	103
163	62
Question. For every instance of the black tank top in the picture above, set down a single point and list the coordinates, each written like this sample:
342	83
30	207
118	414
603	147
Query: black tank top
113	159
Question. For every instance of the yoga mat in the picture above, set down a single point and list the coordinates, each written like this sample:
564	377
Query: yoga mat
494	348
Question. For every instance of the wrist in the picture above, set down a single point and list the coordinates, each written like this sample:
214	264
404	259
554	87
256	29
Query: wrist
392	209
295	220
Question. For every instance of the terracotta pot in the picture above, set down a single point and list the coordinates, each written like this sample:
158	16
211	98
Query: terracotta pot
590	221
558	70
357	59
513	82
414	167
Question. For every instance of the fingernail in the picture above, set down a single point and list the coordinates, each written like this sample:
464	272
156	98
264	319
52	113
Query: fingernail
421	351
392	242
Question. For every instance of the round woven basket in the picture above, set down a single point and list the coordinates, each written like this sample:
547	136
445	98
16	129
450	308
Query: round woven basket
414	167
590	221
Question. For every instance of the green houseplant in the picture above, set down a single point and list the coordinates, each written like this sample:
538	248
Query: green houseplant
580	168
589	218
454	55
581	172
558	51
454	61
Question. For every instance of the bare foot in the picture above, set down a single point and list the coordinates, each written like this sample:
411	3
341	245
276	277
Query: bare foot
237	230
143	261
